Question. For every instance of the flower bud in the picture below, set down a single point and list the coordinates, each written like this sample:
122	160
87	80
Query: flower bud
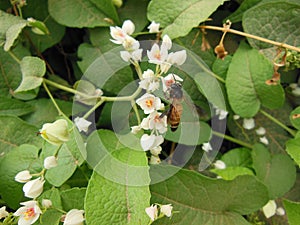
46	203
166	210
248	123
33	188
50	162
3	212
23	176
74	217
220	51
152	212
55	133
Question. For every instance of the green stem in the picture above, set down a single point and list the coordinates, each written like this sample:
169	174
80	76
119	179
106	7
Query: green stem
20	11
135	109
53	101
291	131
232	139
14	56
88	113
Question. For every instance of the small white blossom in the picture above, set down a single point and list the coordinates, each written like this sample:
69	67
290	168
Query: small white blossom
154	160
260	131
50	162
174	58
149	81
23	176
151	141
156	151
128	27
236	117
270	209
47	203
157	55
130	44
166	42
135	129
74	217
166	210
82	124
222	114
33	188
264	140
280	211
153	27
55	133
206	147
29	213
155	122
219	164
248	123
120	34
136	55
3	212
149	103
152	212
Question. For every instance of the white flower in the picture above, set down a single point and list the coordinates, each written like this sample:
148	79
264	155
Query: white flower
55	133
82	124
270	209
50	162
157	55
221	113
128	27
3	212
280	211
248	123
236	117
47	203
170	79
130	44
166	210
206	147
155	122
33	188
174	58
156	151
136	55
149	103
264	140
219	164
151	141
23	176
153	27
135	129
29	213
74	217
152	212
117	34
149	81
166	42
260	131
154	160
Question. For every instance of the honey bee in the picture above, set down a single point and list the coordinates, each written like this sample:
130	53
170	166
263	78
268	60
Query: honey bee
175	94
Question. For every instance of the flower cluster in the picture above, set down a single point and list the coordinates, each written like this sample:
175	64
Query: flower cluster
155	123
164	210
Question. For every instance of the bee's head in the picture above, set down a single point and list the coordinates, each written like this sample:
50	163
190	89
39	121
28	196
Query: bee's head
176	91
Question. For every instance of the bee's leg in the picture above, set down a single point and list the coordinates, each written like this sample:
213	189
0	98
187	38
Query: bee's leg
171	152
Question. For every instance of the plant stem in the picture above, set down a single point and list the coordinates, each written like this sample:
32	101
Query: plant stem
88	113
279	44
14	56
232	139
291	131
135	109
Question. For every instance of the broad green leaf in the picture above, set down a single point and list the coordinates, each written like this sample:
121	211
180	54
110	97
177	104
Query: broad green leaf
202	200
16	132
10	106
230	173
293	211
245	83
119	182
38	9
68	158
81	13
108	8
295	118
100	38
178	18
277	172
276	20
237	15
220	66
237	157
33	69
293	149
73	198
45	112
12	34
24	157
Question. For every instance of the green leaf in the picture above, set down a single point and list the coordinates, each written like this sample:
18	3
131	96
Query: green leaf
220	66
107	7
230	173
237	15
178	18
237	157
292	211
259	20
245	83
203	200
295	120
293	149
33	69
13	33
100	38
16	132
277	172
80	13
24	157
9	106
73	198
68	158
38	9
119	182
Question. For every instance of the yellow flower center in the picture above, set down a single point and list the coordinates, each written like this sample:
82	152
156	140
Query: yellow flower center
149	103
29	214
